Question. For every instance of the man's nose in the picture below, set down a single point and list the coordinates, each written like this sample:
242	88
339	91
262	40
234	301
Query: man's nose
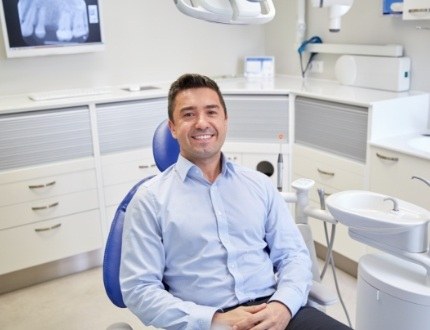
202	121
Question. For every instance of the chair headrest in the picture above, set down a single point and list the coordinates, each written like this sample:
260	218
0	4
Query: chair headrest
165	147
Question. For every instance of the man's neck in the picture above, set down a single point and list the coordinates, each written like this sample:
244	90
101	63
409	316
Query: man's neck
210	168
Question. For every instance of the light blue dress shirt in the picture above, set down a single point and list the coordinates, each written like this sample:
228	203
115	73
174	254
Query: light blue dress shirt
191	247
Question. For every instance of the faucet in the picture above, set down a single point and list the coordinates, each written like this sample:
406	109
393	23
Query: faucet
427	182
395	203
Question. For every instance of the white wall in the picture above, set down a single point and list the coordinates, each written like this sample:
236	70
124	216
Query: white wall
363	24
146	41
150	40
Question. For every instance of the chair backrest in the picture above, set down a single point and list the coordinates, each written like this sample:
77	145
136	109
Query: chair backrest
166	150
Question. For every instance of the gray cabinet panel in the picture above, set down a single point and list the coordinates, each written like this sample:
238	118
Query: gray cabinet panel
32	138
129	125
333	127
257	118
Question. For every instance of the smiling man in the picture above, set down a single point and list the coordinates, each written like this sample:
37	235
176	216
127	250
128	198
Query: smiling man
210	244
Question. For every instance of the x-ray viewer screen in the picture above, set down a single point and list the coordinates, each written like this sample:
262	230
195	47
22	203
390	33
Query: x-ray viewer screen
50	24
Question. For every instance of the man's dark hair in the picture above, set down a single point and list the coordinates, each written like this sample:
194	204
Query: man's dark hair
189	81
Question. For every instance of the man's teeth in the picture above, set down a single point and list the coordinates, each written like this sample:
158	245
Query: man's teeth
203	137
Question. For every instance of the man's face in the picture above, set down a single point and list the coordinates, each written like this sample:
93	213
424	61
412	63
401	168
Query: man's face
200	124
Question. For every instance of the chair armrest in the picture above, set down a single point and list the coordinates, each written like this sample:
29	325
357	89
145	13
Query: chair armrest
321	295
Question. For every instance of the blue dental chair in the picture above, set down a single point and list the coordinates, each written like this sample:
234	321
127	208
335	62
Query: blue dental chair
166	151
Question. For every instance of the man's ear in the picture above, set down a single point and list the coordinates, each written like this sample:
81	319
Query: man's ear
172	128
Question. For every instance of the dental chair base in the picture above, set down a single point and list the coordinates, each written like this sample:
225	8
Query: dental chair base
391	294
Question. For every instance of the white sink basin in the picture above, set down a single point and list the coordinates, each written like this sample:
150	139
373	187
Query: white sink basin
370	211
420	143
372	220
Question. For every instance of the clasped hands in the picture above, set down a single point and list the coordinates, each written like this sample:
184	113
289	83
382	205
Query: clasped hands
266	316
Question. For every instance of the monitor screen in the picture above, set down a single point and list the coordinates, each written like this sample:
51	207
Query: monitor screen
48	27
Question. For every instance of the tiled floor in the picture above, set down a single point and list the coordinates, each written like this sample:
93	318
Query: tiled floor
79	302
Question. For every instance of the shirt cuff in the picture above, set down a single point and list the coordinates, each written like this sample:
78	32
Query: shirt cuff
290	298
201	317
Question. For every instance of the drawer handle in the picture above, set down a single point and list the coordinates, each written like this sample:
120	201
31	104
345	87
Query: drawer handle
39	186
393	159
38	230
143	166
38	208
325	172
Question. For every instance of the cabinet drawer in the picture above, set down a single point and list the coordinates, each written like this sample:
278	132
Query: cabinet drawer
391	173
327	169
46	187
24	247
128	171
43	209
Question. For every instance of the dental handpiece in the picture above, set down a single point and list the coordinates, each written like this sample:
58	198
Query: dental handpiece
321	195
280	170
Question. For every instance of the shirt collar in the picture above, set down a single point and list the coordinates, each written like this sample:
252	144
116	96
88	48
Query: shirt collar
185	168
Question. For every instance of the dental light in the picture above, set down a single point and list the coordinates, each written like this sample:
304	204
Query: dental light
228	11
337	8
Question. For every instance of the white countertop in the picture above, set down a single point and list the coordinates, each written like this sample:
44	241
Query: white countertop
401	144
282	85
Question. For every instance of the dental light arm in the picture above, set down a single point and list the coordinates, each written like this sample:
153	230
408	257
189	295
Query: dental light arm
228	11
337	8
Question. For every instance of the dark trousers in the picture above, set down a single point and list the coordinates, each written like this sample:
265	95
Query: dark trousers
307	318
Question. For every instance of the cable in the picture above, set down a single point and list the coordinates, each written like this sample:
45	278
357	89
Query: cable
301	49
330	260
329	255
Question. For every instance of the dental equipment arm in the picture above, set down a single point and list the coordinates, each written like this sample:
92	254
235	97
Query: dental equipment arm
337	8
228	11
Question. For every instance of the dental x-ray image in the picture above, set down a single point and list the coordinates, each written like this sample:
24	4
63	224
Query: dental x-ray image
55	21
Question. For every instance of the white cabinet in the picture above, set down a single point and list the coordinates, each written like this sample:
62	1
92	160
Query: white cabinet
48	188
391	173
125	134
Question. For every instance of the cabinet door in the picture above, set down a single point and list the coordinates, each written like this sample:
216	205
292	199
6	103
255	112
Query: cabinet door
259	118
337	128
43	137
129	125
391	173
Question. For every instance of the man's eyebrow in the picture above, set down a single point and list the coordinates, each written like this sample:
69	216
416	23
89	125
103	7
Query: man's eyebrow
212	106
187	108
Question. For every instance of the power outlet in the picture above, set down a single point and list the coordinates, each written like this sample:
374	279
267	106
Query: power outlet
317	67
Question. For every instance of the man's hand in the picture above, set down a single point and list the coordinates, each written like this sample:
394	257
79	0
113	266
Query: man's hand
272	316
230	318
